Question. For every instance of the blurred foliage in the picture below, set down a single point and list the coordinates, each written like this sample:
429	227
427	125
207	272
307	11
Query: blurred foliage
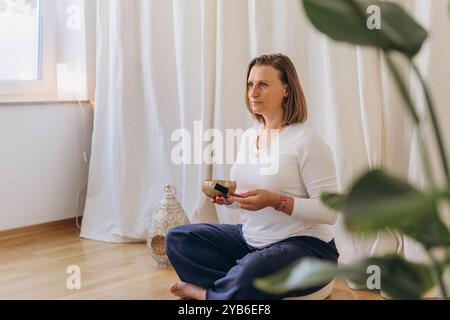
377	201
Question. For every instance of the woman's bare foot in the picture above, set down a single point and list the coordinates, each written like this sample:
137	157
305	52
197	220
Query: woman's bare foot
188	291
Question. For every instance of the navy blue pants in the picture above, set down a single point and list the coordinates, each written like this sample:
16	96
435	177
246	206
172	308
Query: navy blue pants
217	258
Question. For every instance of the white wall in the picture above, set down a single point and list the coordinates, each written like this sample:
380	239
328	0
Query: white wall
41	162
42	168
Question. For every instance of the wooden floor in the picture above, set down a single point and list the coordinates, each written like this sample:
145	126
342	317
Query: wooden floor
34	267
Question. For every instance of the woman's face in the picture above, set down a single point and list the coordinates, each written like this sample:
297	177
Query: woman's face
266	92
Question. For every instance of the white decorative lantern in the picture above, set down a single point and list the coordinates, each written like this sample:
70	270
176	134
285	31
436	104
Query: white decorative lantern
168	214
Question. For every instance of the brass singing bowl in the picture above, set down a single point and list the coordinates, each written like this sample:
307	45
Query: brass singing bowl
208	187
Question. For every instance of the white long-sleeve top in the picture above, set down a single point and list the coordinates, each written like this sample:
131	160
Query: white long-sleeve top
297	163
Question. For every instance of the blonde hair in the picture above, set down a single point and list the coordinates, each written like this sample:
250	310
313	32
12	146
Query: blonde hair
295	107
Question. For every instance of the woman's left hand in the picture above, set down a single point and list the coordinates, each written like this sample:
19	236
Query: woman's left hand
257	199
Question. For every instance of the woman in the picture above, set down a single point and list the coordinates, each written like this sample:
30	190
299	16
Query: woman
282	217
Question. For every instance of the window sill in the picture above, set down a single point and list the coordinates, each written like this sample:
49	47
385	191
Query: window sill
26	102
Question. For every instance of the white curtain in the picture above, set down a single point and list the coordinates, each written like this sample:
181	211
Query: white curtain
163	65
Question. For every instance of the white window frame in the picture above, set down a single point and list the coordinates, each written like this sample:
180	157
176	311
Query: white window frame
45	88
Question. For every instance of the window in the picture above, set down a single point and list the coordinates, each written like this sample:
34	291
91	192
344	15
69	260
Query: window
19	35
42	50
27	69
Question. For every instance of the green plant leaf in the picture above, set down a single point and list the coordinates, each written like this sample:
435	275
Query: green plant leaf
401	279
300	275
346	20
378	200
398	278
333	200
430	231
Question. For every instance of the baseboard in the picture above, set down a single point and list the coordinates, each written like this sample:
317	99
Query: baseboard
43	227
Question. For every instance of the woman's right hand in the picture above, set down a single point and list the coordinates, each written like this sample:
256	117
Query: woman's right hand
222	200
